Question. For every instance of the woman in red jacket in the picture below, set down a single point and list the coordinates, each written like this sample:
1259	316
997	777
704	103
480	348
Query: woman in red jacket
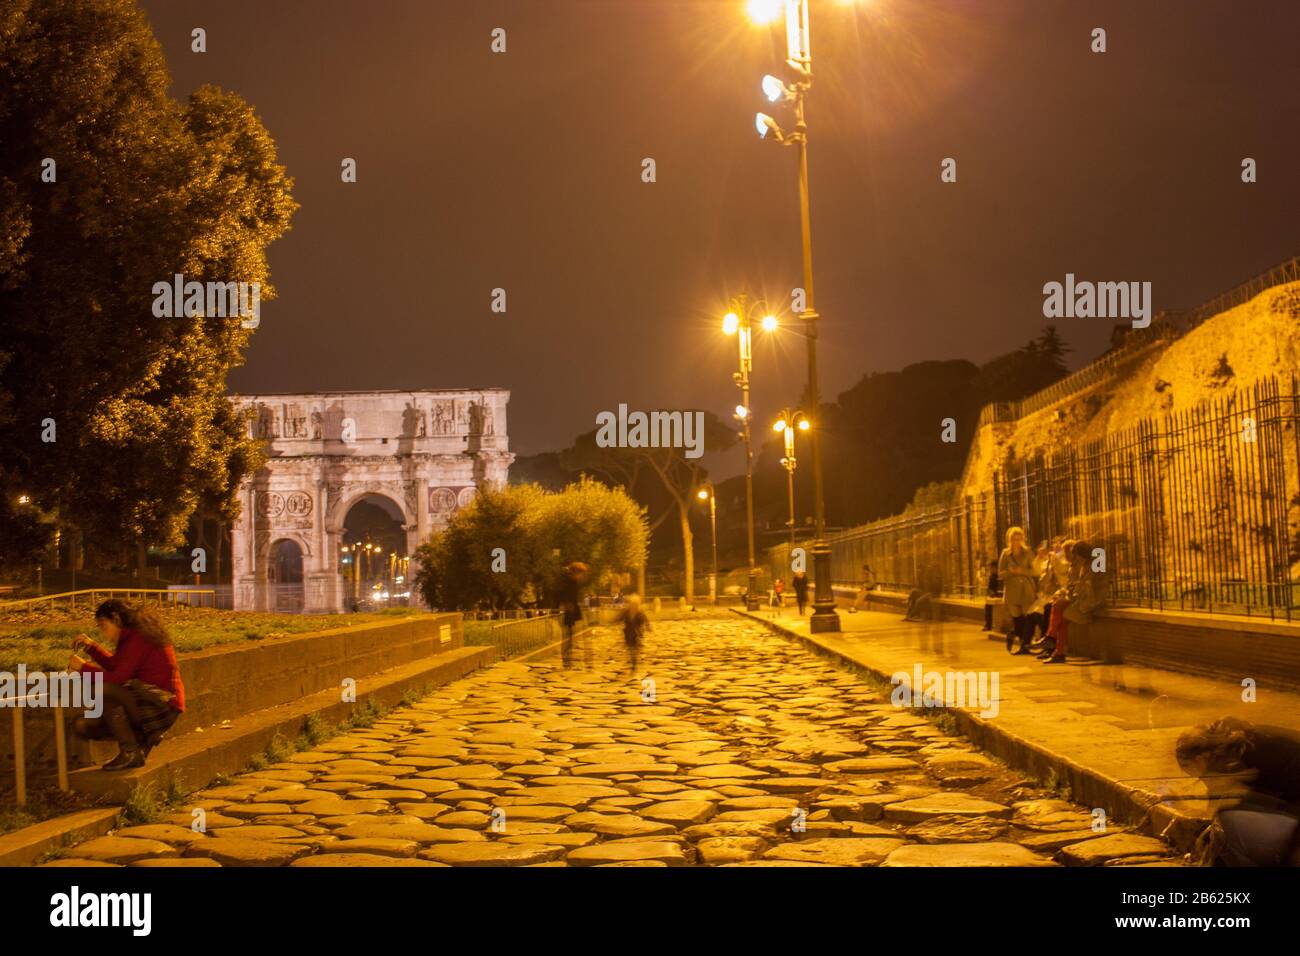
143	693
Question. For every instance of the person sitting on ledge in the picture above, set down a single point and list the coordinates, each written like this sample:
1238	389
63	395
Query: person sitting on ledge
143	693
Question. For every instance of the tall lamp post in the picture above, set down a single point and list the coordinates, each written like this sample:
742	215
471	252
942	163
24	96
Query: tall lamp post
737	322
786	424
706	494
799	60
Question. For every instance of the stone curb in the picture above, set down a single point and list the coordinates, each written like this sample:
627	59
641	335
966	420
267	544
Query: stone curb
24	847
1132	805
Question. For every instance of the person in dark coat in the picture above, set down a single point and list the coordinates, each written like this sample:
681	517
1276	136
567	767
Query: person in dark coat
800	583
570	605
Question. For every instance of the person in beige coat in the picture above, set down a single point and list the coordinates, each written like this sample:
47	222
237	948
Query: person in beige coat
1019	585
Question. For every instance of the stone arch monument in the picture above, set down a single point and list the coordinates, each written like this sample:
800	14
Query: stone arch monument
426	452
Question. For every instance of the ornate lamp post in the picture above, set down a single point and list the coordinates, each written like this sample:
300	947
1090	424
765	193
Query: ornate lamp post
706	494
799	60
737	322
787	424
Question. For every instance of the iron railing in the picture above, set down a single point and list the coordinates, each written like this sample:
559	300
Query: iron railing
92	597
1198	510
941	549
514	637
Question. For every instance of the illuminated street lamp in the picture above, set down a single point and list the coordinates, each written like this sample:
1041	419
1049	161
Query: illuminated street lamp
737	322
787	424
799	62
707	494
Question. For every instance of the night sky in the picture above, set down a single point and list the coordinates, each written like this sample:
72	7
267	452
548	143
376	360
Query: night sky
523	171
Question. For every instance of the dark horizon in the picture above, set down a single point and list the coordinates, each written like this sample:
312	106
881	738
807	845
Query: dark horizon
522	170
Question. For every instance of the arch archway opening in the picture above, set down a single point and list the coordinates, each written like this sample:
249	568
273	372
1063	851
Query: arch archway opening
284	575
374	563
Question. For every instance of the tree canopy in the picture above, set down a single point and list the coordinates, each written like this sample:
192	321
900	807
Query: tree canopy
114	420
510	545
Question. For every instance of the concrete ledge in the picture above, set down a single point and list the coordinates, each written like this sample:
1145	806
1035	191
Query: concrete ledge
24	847
195	758
1191	642
233	679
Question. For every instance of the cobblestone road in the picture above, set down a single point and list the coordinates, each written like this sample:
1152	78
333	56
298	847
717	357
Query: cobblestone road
746	749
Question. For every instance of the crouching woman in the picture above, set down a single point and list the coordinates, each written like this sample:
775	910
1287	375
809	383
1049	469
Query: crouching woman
143	693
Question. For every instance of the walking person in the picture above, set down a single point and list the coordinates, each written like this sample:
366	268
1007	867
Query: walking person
800	582
864	592
143	692
570	604
1019	589
635	624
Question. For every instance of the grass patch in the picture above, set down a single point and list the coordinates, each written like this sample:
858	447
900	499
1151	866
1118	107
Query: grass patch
43	803
42	638
149	803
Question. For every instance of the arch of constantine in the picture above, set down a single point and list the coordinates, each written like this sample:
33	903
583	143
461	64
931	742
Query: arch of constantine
422	455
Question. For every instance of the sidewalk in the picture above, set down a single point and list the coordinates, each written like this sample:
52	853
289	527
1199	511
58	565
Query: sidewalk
1105	730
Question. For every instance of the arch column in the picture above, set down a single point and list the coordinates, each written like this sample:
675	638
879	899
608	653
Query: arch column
324	587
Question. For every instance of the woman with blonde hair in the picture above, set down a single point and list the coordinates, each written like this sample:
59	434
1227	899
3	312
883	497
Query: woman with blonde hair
1019	586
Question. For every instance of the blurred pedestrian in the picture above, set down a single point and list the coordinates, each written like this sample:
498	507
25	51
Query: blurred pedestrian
1081	600
570	605
635	624
864	592
800	583
1252	777
992	594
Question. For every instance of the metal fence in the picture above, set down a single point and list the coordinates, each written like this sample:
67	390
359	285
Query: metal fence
941	547
1198	510
516	636
91	597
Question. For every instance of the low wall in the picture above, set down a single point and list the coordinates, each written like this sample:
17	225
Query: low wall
231	680
1220	646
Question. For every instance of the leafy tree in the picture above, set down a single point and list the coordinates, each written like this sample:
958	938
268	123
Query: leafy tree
144	188
539	532
459	567
669	474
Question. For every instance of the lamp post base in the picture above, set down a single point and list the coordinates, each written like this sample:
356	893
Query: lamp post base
824	617
824	620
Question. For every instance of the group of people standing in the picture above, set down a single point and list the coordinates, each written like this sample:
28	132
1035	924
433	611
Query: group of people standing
1045	590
